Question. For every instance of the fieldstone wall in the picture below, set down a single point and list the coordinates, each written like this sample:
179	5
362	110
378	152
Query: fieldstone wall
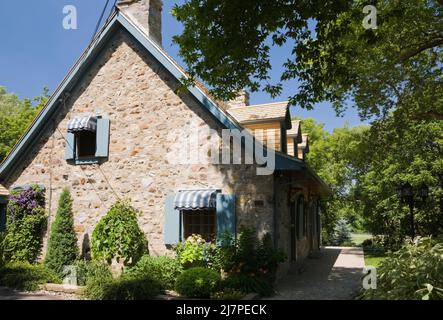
308	243
129	87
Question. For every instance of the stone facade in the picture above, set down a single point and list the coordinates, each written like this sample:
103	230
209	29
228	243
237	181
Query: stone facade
129	87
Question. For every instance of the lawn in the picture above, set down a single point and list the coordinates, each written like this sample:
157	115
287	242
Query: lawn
373	255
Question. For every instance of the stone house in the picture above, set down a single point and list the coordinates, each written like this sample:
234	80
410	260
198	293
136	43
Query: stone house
110	132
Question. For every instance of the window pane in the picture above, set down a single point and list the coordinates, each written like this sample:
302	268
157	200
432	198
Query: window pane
86	144
201	222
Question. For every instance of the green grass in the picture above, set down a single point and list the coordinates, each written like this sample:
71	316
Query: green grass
373	256
358	238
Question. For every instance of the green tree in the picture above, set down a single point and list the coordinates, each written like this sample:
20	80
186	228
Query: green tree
15	117
62	244
402	151
118	236
339	159
396	66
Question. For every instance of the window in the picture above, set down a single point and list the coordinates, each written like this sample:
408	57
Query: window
300	219
87	140
202	222
86	144
211	221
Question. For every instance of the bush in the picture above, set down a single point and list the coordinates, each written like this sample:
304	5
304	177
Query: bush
198	282
413	272
228	294
192	252
100	285
62	244
26	221
118	236
163	269
248	284
123	289
25	276
91	270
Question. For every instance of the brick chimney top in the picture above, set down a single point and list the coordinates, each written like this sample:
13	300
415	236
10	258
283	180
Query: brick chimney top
242	100
146	14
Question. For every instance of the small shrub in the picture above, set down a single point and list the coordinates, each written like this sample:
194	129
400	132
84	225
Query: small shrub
91	270
192	252
118	236
248	284
101	286
163	269
228	294
367	243
25	276
198	282
97	277
412	273
26	221
62	244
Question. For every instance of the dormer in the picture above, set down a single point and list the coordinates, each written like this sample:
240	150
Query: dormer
294	137
267	122
303	148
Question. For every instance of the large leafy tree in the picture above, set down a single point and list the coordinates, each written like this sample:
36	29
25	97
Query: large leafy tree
339	159
402	151
396	66
15	116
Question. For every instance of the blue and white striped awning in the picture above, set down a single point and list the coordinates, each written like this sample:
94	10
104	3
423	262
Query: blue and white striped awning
77	124
195	199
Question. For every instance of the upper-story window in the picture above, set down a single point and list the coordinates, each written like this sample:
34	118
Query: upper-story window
87	140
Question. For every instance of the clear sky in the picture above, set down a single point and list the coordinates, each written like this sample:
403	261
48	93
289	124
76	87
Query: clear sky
36	51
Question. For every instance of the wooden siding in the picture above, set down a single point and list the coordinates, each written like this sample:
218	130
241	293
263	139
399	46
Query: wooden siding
264	130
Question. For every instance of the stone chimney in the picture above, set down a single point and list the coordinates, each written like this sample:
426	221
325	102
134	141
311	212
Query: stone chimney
146	14
242	100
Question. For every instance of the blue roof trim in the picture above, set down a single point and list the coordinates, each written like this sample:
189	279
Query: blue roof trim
282	162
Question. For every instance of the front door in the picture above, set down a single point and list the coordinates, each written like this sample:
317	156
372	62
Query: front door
293	227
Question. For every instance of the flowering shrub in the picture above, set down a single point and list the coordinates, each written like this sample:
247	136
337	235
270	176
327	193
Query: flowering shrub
194	252
26	220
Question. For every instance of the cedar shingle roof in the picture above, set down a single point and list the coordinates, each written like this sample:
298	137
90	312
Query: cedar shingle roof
260	112
295	132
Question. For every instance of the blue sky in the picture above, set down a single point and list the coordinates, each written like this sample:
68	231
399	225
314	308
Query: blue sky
36	50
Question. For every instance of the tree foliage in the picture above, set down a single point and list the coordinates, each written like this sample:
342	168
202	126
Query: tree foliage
396	66
62	244
118	236
15	116
26	220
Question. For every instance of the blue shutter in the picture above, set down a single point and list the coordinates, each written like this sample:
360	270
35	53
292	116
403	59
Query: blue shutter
226	220
102	138
69	146
171	228
2	217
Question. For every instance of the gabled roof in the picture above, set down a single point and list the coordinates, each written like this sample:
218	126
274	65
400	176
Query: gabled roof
305	143
278	111
117	21
295	131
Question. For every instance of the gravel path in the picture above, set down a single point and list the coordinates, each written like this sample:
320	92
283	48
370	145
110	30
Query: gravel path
335	275
9	294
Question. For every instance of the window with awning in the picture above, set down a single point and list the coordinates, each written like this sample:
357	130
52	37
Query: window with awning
87	139
208	213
